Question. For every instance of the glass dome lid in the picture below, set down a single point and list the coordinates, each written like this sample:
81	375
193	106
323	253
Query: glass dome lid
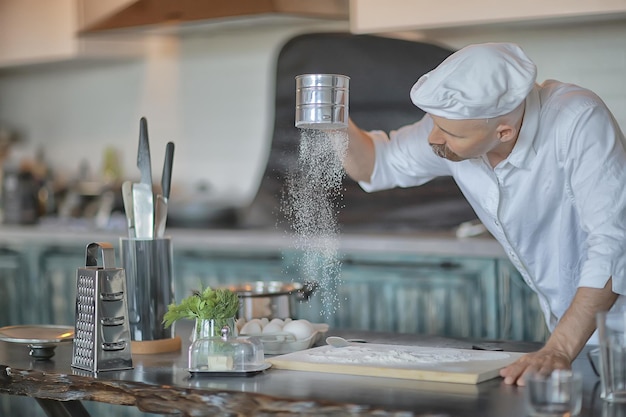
226	354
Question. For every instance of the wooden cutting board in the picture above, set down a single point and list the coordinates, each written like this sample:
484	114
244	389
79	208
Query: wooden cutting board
396	361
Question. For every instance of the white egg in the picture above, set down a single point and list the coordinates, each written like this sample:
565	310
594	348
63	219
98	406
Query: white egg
264	321
273	327
287	320
280	322
240	323
301	329
251	327
257	321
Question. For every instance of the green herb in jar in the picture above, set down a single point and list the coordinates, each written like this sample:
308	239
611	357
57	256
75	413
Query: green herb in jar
207	303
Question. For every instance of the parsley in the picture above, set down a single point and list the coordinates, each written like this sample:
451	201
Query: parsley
207	303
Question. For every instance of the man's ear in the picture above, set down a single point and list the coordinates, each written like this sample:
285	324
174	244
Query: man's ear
505	132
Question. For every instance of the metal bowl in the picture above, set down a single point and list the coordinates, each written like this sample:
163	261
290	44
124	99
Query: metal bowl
271	299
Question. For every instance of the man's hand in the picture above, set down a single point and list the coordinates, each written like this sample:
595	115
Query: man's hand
543	361
569	335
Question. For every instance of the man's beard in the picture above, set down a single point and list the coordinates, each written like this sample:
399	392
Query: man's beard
443	151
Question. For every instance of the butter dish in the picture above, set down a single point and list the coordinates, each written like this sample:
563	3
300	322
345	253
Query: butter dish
226	355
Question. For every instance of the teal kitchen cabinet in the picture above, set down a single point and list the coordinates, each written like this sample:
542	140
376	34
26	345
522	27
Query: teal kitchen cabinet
519	313
13	274
57	266
214	268
455	296
416	294
446	296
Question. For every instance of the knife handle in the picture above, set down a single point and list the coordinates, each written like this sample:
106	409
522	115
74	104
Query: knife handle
166	178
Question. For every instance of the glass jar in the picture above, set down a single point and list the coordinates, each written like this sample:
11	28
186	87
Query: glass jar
204	328
216	348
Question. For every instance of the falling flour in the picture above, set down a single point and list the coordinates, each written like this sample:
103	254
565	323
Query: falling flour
311	202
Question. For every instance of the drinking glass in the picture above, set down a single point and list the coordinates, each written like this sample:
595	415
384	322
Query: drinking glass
557	394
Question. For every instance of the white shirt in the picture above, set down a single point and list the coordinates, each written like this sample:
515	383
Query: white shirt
557	204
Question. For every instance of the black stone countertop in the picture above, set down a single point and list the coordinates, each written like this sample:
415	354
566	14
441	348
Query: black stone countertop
160	384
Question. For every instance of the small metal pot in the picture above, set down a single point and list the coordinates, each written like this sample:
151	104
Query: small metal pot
272	299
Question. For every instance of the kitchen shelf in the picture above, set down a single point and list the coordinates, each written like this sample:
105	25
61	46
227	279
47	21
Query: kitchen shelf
97	16
41	32
374	16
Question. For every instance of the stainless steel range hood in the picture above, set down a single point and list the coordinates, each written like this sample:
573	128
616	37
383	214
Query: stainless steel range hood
98	16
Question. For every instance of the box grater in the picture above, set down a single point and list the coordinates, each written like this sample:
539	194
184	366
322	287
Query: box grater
101	334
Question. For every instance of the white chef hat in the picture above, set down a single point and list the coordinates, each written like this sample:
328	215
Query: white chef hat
476	82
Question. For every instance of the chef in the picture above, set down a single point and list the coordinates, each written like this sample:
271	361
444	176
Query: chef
544	168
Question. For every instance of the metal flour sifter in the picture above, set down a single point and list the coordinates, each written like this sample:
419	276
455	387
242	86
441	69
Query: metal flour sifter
101	334
322	101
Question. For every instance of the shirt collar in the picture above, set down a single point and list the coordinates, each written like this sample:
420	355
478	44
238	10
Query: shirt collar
524	152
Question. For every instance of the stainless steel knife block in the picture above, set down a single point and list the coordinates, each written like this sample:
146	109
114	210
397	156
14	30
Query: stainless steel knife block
149	265
101	334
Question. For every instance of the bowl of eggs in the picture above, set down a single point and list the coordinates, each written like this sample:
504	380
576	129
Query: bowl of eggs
280	336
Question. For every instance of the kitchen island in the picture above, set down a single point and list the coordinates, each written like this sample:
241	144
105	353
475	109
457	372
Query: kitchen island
160	384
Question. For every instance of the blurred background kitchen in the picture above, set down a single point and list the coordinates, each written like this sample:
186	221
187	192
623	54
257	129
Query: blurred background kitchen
77	75
70	102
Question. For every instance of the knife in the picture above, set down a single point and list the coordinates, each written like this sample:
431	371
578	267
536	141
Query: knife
143	203
160	217
127	198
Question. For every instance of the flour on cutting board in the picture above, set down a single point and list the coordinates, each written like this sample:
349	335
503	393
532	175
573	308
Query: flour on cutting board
402	355
420	363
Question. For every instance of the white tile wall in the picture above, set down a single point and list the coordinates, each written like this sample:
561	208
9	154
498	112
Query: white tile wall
212	93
